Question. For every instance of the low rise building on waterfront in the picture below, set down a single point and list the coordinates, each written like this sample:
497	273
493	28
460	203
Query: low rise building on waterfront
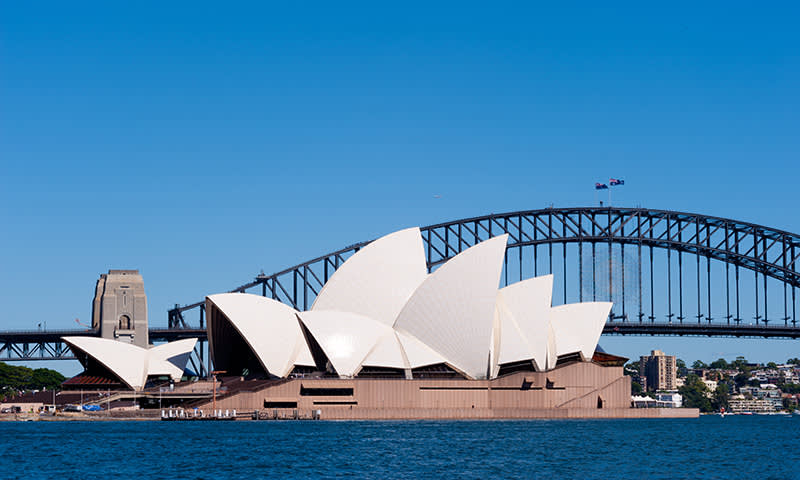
661	400
673	399
741	404
767	392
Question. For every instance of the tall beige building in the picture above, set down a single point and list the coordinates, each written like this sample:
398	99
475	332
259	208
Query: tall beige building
119	309
658	371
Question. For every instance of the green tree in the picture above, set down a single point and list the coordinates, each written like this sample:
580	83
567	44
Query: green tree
793	361
14	379
631	369
46	378
680	365
694	393
720	363
792	388
740	380
740	364
720	396
636	388
772	365
698	364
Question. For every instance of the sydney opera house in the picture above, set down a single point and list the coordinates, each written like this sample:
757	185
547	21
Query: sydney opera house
385	338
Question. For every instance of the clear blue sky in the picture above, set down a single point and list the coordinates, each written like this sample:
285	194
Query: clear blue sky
201	143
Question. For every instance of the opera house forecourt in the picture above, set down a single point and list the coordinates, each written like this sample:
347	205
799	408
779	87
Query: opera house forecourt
385	339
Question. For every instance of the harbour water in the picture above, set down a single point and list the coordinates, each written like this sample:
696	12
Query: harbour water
710	447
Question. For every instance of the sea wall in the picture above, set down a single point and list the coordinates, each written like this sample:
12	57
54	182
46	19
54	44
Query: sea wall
575	390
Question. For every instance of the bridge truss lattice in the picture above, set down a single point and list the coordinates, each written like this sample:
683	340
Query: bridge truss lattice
667	272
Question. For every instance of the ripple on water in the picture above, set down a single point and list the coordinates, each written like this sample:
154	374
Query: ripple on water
708	447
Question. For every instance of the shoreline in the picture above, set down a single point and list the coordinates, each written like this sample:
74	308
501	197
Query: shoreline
383	415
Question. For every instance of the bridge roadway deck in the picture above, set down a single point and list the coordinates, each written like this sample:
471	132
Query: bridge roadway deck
701	330
24	345
611	328
50	336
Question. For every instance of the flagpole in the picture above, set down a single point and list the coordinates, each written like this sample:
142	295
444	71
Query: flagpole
613	182
600	186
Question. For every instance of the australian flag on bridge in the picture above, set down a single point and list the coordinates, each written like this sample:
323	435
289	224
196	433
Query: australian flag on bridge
615	181
600	186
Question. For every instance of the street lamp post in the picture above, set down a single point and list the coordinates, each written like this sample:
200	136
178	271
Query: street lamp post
214	395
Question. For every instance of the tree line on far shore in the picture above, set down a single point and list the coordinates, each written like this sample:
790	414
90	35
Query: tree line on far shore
14	379
696	393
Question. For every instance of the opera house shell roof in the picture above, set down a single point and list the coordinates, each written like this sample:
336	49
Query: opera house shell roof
382	311
130	364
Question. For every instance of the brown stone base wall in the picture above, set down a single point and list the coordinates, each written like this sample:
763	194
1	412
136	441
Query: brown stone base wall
576	390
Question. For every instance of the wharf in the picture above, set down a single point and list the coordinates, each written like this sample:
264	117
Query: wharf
181	415
197	419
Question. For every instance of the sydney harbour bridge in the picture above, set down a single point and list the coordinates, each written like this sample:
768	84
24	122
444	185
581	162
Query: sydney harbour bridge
667	272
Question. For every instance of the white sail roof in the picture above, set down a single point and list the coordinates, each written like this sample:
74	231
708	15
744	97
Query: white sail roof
524	310
346	338
378	279
170	358
417	353
133	364
304	357
513	346
577	327
552	351
382	309
453	309
126	361
269	327
387	353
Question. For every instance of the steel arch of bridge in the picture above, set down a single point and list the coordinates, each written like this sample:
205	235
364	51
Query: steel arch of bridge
764	252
